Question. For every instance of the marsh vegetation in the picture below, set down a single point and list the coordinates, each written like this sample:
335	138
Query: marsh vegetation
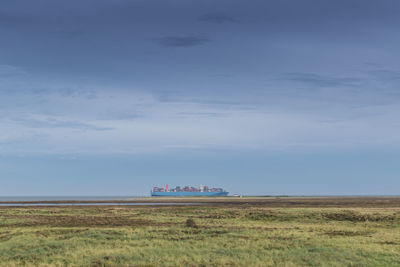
208	235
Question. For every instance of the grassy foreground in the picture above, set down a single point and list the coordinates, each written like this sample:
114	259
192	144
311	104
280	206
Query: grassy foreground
214	235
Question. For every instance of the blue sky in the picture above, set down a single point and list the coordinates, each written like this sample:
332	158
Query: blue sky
258	97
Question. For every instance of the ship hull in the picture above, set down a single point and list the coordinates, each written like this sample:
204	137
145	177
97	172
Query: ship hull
189	194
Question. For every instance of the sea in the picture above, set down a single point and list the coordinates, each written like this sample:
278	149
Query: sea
61	198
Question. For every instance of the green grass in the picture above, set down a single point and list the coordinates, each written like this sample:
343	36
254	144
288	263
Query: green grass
230	235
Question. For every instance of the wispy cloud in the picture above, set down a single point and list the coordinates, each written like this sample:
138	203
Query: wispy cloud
9	70
97	126
203	114
386	75
60	117
319	80
16	20
217	18
181	41
58	123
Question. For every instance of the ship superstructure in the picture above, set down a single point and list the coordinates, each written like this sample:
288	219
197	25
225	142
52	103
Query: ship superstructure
188	191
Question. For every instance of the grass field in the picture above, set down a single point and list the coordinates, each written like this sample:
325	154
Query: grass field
241	233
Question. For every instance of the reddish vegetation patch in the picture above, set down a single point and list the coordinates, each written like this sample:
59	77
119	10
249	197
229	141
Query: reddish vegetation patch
80	221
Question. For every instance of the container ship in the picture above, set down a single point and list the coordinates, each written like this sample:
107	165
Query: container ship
188	191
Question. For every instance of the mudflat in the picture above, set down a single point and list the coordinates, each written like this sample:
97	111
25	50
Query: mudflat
324	201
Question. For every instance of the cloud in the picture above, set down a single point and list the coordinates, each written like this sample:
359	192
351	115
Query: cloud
320	80
70	33
203	114
181	41
217	18
105	125
386	75
59	123
16	20
59	117
9	70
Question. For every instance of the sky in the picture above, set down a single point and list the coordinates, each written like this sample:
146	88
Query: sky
258	97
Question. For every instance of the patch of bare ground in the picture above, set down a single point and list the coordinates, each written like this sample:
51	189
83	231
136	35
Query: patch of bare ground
357	217
348	233
80	221
388	243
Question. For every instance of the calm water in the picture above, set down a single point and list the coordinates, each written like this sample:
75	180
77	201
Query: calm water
59	198
95	204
